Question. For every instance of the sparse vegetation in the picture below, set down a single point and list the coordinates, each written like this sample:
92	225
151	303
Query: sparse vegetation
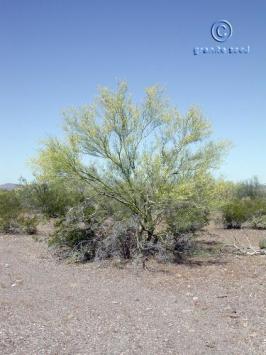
247	207
28	224
130	180
13	217
51	198
10	209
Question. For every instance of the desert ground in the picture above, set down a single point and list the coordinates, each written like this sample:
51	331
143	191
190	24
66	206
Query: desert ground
213	304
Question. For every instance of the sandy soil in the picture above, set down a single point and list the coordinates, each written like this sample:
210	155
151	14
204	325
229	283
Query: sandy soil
214	305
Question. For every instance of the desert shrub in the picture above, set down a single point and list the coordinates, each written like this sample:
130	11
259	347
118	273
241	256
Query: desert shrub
75	241
28	224
256	222
171	247
120	241
13	218
234	214
137	155
186	217
76	233
251	189
148	169
86	233
10	209
52	199
262	243
238	211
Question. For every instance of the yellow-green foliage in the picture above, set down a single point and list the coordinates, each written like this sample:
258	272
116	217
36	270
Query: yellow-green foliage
223	192
141	156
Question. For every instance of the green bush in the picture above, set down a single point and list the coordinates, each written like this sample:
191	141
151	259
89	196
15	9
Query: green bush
10	209
251	189
28	224
13	218
52	199
237	212
262	244
137	155
185	217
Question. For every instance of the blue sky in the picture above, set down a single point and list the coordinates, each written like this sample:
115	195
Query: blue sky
55	53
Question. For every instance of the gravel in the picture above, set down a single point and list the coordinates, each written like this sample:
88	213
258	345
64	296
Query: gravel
216	306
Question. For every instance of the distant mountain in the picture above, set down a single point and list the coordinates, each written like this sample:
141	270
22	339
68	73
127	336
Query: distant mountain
9	186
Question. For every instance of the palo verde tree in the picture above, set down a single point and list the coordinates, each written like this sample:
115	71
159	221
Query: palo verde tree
144	156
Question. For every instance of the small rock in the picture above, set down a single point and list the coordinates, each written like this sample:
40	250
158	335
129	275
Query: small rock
233	316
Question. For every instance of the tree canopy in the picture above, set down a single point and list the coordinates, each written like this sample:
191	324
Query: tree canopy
142	155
